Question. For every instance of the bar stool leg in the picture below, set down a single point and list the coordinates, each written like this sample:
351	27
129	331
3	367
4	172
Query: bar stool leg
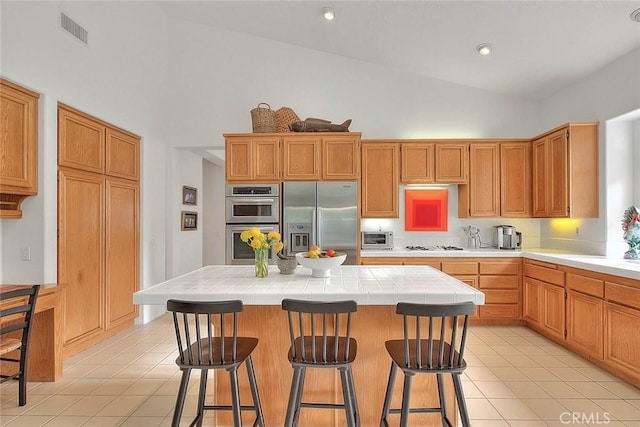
441	396
406	399
254	392
462	404
235	398
346	396
201	395
293	397
387	396
296	418
352	389
182	393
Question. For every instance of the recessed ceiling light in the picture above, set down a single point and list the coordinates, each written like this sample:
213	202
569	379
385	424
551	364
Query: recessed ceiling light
484	49
328	14
635	15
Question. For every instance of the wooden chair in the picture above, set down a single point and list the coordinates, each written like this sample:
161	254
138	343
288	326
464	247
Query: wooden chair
316	345
16	313
421	353
204	344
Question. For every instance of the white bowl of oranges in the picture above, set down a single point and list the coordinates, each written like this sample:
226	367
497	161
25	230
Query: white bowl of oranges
320	262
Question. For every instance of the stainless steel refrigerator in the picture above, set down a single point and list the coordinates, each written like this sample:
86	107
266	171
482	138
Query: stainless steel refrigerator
324	214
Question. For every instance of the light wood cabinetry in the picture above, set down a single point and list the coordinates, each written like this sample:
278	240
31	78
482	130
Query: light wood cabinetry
417	162
585	329
622	327
544	298
272	157
18	147
451	162
98	228
379	180
252	159
499	180
565	172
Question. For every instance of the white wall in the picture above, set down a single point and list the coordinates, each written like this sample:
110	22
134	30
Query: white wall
213	237
121	77
606	94
635	146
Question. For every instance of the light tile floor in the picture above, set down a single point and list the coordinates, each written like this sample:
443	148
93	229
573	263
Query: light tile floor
515	377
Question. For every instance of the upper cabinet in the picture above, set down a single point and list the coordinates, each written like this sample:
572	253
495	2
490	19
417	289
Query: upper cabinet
417	162
499	180
565	172
292	157
379	181
18	147
251	158
88	144
428	162
451	162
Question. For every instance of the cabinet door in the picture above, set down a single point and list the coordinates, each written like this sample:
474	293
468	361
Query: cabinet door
18	139
266	159
622	335
585	323
301	158
123	155
515	179
539	178
417	163
239	159
532	301
380	180
473	282
451	163
553	310
81	141
122	261
81	252
558	184
484	180
340	158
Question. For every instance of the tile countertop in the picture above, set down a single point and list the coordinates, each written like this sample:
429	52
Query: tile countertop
367	285
614	266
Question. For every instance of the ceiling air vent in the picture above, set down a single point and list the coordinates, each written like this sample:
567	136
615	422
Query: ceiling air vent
73	28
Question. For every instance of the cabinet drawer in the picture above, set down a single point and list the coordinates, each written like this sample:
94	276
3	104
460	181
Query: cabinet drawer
499	282
422	261
468	267
504	311
586	285
511	267
548	275
498	296
380	261
624	295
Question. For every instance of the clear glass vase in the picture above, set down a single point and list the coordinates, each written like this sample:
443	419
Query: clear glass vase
262	262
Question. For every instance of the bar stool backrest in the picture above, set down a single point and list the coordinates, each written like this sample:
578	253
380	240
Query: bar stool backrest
429	349
320	332
203	333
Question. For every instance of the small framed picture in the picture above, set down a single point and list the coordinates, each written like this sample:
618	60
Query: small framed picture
189	195
189	221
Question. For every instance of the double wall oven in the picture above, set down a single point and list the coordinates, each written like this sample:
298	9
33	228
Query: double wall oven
246	206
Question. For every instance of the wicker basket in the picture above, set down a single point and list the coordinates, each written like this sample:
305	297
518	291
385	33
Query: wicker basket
263	119
284	117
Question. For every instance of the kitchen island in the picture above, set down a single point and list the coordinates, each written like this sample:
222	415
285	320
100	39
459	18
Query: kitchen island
376	289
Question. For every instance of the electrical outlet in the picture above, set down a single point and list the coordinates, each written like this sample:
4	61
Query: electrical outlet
577	230
25	254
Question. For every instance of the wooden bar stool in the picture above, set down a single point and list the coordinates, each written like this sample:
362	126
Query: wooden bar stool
204	344
320	345
420	353
17	305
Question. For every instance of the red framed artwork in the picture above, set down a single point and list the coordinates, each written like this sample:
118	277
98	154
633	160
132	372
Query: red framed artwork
425	209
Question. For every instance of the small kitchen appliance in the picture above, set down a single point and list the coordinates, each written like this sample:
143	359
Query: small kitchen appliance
377	240
507	237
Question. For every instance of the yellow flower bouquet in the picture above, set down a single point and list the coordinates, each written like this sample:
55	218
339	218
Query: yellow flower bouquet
261	242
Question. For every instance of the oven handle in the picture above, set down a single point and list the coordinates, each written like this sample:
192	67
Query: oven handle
245	201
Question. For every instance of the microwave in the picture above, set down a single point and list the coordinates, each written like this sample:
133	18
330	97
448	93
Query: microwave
377	240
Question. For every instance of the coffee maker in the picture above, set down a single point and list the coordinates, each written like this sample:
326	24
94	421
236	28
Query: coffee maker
507	237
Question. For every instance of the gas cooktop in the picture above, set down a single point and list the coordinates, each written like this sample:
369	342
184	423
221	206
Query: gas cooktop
434	248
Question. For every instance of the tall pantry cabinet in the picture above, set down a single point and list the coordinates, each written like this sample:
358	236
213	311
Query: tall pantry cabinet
98	227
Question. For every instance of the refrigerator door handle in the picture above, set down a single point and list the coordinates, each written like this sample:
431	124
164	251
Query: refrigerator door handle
315	228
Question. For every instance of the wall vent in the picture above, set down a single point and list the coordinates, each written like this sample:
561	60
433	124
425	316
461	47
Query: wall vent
73	28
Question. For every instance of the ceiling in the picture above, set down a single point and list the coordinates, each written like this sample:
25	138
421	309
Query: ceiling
540	47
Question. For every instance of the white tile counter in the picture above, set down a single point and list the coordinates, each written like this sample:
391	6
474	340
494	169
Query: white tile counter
367	285
614	266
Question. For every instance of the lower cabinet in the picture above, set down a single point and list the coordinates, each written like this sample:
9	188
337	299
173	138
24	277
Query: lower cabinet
585	323
543	307
622	337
